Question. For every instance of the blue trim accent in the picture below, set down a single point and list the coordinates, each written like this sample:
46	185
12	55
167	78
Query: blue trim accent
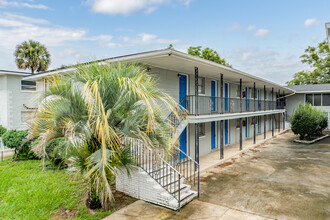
213	95
212	134
182	95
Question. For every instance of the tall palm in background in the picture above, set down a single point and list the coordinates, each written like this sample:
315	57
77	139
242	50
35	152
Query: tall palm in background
94	109
32	55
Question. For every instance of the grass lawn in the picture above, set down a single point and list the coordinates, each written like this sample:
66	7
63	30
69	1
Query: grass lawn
27	192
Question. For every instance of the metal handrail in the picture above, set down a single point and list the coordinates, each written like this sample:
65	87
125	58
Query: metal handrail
156	169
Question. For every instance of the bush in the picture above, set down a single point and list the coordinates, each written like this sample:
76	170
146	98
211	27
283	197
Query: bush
2	130
15	140
54	151
307	121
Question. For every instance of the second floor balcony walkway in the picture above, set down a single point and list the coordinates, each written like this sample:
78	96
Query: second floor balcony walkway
216	105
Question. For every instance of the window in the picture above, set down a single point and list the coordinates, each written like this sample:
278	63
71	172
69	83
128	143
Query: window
326	99
309	98
238	92
201	85
201	129
238	123
28	85
317	99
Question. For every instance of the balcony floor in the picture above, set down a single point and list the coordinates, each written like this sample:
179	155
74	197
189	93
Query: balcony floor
212	159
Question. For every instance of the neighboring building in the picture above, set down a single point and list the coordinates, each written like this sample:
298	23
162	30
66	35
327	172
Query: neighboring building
317	94
225	107
327	30
16	95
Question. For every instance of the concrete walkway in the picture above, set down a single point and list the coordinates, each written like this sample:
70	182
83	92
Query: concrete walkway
211	160
195	210
198	209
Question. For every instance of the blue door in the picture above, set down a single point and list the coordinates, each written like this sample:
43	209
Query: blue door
182	95
213	95
226	132
212	134
183	89
226	96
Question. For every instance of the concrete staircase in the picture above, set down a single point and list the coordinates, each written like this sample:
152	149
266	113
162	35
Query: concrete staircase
141	185
159	180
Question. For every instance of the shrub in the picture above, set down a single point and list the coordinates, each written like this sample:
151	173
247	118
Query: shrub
15	139
308	121
2	130
54	150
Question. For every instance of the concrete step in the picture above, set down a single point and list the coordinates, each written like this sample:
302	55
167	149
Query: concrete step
184	199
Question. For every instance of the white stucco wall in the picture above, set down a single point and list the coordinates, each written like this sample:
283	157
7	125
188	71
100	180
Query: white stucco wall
12	100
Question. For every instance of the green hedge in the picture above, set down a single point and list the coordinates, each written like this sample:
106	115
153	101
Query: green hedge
17	140
308	121
2	130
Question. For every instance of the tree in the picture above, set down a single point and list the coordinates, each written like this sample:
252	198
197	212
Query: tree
207	54
32	55
308	121
93	110
319	59
170	46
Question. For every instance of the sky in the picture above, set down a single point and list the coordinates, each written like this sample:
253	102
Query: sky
264	38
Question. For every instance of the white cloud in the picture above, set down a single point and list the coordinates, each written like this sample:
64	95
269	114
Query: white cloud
266	63
127	7
310	22
235	26
251	27
145	38
5	4
260	33
67	45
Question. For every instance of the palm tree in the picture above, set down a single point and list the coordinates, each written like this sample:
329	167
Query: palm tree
94	109
32	55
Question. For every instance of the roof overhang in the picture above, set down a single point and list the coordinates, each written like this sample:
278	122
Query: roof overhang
310	92
182	63
6	72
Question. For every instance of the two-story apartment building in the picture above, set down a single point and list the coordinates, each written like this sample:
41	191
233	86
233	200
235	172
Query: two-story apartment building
225	106
223	102
16	95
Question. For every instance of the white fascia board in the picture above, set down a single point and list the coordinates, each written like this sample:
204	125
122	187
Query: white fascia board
309	92
13	73
229	116
127	58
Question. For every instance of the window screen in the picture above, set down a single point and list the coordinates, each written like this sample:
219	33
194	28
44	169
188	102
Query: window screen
28	85
309	98
326	99
317	99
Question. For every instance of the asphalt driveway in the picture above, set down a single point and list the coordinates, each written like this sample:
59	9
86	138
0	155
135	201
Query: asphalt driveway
277	180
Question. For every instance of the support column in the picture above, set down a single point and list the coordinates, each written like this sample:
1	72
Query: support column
283	121
254	118
279	122
273	114
196	113
240	120
265	117
221	122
